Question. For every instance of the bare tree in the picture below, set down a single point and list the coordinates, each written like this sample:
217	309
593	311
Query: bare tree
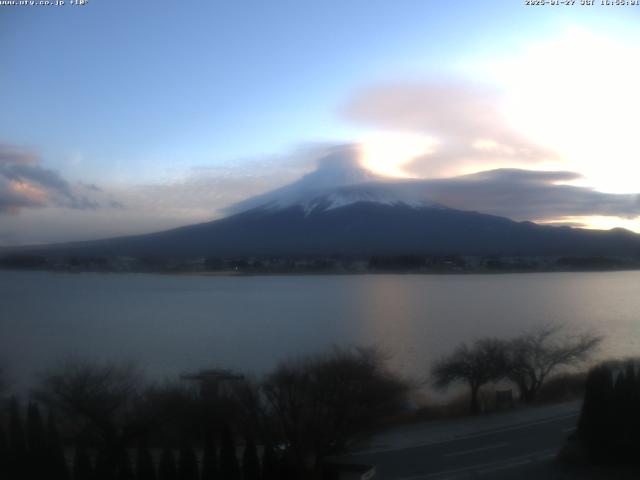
482	362
321	402
4	383
7	385
535	355
250	411
98	398
97	391
113	400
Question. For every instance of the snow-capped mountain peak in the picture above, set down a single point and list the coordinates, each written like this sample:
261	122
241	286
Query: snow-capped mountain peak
338	180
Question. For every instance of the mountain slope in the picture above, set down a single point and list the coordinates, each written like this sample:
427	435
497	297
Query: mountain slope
360	229
341	208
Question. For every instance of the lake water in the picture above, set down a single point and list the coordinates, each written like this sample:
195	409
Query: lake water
171	324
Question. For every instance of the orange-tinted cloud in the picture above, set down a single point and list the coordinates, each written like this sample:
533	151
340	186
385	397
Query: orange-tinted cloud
24	183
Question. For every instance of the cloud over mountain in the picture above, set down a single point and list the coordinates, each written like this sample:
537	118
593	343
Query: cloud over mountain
529	195
518	194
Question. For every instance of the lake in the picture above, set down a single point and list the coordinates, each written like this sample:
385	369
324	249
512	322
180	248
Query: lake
175	323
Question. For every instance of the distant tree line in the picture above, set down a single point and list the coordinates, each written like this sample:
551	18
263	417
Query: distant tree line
105	422
334	263
527	361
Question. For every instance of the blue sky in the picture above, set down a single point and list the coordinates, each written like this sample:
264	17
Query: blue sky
132	94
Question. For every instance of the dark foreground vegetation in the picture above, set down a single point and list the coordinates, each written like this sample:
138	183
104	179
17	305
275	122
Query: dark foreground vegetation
320	264
605	444
608	428
103	422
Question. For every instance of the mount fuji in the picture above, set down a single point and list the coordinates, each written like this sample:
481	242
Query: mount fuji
338	181
342	208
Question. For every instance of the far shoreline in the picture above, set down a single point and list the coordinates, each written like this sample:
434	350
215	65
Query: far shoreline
241	274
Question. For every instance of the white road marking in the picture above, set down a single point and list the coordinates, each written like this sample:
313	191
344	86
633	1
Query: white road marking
473	450
567	430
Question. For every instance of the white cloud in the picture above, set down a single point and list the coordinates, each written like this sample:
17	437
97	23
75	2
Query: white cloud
465	119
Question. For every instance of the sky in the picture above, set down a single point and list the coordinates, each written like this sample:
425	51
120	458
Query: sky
121	117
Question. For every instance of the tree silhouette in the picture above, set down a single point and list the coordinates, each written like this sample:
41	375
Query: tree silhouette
188	462
167	469
320	402
270	463
37	442
594	425
18	459
57	462
4	454
82	468
250	462
484	361
623	416
100	396
209	458
4	383
627	406
125	471
229	468
535	355
105	468
145	469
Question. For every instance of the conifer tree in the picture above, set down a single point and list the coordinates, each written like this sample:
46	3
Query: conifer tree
18	461
145	469
167	469
250	462
635	418
229	468
57	464
270	463
630	392
37	442
594	425
628	403
4	454
36	435
188	462
82	467
617	425
105	468
209	458
125	471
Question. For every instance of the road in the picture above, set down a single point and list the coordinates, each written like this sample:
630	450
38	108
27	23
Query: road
521	450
